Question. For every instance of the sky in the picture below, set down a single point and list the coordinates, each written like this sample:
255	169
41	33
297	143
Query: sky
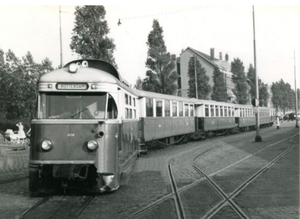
227	29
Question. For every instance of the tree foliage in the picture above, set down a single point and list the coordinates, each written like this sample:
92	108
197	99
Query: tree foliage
138	84
161	76
90	38
240	81
263	93
283	96
251	80
263	88
202	80
219	89
18	78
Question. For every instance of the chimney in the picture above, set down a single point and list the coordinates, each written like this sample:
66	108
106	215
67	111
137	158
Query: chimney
226	57
220	55
212	53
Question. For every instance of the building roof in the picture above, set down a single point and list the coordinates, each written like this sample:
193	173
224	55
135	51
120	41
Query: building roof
223	65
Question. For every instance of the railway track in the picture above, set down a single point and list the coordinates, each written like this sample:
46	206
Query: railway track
70	207
228	198
6	181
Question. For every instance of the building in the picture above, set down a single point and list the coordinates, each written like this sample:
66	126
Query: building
209	62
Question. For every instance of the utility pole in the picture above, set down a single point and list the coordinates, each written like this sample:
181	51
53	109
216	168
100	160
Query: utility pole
257	137
296	108
196	80
61	56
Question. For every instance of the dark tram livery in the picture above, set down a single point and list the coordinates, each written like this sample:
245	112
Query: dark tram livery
91	126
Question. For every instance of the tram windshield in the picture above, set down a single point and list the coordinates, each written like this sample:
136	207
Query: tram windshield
77	106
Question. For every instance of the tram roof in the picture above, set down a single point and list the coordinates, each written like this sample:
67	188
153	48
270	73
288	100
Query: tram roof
97	71
98	64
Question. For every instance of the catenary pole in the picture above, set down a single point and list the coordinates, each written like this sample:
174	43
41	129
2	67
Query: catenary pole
257	137
296	107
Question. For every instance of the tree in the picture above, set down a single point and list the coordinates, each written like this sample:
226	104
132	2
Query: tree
161	76
251	80
90	34
240	81
202	80
263	93
219	89
283	97
138	84
18	85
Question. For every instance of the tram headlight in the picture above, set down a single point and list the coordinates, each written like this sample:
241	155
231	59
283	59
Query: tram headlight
73	68
47	145
92	145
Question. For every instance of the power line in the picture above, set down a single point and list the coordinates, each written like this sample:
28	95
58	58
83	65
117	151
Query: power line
161	14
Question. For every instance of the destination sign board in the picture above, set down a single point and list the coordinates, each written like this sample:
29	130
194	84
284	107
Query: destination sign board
70	86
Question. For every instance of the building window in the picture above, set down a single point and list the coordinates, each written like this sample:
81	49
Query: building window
126	99
133	101
158	108
174	109
167	108
126	113
149	107
130	100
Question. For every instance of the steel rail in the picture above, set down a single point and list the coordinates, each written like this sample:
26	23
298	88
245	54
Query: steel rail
36	205
13	180
229	199
178	202
186	187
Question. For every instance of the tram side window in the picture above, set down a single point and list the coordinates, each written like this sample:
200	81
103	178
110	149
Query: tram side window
241	112
217	110
159	108
167	108
206	111
191	110
174	109
221	110
149	107
225	111
229	111
186	110
180	108
212	110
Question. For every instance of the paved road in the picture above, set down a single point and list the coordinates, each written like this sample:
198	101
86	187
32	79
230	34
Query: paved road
149	181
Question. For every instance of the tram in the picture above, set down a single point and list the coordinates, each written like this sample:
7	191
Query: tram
90	126
82	131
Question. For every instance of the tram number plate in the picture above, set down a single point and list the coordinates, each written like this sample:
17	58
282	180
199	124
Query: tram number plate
72	87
